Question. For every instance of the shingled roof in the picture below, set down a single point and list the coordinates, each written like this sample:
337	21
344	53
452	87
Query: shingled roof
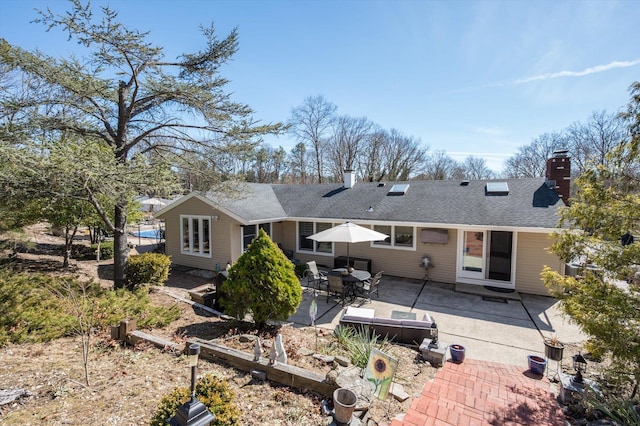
530	203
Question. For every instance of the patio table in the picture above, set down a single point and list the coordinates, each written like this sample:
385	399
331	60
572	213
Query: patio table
352	280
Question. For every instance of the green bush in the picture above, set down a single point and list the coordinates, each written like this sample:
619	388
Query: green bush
106	250
262	282
358	343
214	393
148	268
40	308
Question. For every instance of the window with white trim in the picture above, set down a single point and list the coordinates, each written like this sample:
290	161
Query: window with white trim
249	232
306	229
196	235
399	236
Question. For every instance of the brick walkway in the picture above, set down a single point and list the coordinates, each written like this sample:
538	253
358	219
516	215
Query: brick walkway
483	393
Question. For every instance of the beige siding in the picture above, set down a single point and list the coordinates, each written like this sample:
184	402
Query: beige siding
398	262
533	254
221	234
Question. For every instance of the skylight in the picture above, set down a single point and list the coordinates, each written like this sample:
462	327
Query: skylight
398	189
497	188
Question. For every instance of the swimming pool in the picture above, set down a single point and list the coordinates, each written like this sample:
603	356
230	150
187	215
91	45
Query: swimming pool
149	233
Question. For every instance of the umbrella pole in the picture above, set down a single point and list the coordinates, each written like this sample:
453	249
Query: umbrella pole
348	263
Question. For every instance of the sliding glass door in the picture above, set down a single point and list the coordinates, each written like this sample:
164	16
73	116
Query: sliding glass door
486	257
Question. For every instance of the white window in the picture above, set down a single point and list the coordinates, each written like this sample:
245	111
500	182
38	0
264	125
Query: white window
306	229
249	232
399	236
196	235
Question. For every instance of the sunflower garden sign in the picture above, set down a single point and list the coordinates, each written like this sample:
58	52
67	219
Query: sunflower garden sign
380	371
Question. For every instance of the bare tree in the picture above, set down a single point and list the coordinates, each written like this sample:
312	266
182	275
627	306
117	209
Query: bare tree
475	168
349	137
440	166
531	160
403	156
371	160
591	141
310	123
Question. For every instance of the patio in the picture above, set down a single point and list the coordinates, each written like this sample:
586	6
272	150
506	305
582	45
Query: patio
493	326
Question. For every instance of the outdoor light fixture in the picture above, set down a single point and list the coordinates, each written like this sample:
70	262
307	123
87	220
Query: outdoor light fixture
434	342
580	365
192	412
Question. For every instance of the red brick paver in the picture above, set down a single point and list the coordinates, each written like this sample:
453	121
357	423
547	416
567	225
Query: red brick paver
483	393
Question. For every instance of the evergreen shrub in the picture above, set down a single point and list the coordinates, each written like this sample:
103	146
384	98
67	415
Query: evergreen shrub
106	250
213	392
148	268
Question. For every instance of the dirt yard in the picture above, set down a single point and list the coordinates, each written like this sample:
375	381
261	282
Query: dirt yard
127	382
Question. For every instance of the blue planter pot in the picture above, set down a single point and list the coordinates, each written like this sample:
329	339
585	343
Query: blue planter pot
537	364
457	353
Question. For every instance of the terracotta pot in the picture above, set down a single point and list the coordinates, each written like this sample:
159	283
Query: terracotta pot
344	404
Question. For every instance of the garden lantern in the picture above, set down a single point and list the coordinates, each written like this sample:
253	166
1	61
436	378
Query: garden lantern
580	365
192	412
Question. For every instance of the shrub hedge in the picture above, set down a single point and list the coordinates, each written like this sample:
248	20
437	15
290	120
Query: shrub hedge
148	268
40	308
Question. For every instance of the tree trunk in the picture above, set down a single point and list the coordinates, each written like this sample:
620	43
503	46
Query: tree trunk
69	233
120	247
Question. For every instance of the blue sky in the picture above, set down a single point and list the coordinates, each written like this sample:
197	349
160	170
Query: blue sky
471	78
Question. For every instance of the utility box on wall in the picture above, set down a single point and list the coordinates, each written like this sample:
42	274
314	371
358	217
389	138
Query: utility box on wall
435	236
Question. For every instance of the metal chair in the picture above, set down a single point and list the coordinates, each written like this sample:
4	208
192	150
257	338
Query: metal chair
370	287
335	287
314	275
362	265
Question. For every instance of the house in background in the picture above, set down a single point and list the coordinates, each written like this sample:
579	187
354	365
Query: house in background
486	232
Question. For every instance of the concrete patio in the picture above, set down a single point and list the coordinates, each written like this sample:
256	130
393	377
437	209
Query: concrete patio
492	326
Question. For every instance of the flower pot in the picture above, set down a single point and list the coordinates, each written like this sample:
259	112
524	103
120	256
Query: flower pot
344	404
553	351
457	353
537	364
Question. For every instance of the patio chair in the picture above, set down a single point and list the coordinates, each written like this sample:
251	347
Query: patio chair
314	275
362	265
371	287
335	287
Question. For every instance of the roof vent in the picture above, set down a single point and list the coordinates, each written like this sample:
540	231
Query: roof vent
381	184
464	183
497	188
398	189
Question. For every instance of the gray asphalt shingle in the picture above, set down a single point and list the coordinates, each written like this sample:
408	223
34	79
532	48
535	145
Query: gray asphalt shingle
429	202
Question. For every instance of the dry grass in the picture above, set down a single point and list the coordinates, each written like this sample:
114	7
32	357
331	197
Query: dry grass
126	382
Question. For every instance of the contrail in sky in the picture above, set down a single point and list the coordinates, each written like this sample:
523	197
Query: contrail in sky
586	71
551	75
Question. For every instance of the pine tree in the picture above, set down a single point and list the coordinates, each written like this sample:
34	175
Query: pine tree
605	301
263	283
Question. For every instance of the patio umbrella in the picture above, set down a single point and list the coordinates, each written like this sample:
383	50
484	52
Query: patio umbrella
154	203
348	233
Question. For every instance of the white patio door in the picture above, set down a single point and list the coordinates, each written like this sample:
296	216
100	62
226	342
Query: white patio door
486	258
472	255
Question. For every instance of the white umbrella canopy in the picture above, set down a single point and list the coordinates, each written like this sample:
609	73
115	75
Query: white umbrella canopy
154	202
348	233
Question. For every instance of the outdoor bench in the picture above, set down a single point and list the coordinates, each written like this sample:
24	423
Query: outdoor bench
407	331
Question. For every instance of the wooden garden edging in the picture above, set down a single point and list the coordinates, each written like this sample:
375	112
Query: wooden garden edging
285	374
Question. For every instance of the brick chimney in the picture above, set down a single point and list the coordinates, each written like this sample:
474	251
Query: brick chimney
558	174
349	178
